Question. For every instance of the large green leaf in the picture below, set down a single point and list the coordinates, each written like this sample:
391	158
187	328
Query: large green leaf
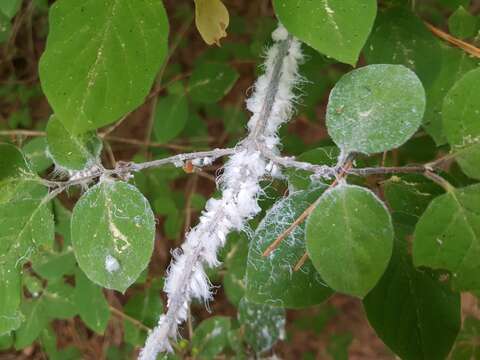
455	63
113	230
375	108
171	116
415	314
101	59
10	7
91	303
210	82
263	324
336	28
70	151
461	122
349	239
210	337
36	153
447	236
462	24
271	280
399	37
59	300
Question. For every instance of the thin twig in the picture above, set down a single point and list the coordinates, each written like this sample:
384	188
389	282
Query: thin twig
130	319
468	48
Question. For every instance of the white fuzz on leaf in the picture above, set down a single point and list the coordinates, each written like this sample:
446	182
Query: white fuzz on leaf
271	106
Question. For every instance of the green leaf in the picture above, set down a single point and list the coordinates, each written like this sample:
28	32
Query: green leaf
399	37
70	151
59	300
417	316
375	108
101	59
171	115
467	347
350	226
54	265
455	63
10	7
35	152
113	230
6	341
26	222
236	265
461	122
408	196
462	24
210	337
5	28
35	321
210	82
447	236
272	280
336	28
91	303
11	294
146	308
263	325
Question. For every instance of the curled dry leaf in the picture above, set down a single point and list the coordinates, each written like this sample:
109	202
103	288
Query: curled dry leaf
212	19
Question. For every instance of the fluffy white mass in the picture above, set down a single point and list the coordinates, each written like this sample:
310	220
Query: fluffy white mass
271	105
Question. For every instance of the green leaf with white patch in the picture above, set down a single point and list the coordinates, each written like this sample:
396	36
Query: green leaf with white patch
461	122
411	310
171	115
113	50
447	236
91	304
375	108
210	82
70	151
336	28
350	226
113	230
271	280
263	324
210	337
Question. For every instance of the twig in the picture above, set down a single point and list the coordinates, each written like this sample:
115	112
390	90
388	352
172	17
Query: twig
468	48
130	319
437	179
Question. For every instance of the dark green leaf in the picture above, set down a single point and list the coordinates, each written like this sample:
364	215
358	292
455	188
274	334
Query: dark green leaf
417	316
375	108
36	153
171	115
236	265
59	300
10	7
35	320
350	226
399	37
210	82
462	24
